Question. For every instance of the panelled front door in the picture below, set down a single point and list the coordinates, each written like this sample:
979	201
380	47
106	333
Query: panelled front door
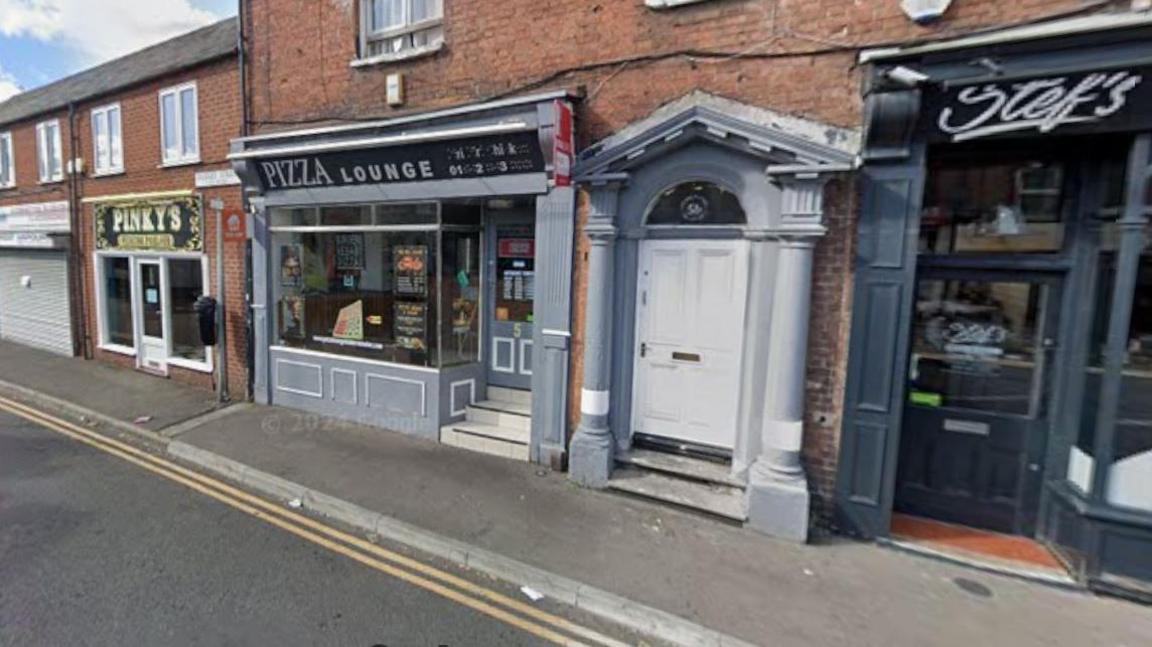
689	340
511	294
976	411
152	351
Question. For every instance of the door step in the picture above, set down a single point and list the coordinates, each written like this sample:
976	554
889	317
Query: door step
712	498
515	396
682	466
501	425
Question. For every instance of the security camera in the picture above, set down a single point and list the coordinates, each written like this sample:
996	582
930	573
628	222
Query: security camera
906	76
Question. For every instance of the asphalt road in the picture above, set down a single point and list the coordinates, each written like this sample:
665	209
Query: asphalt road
96	551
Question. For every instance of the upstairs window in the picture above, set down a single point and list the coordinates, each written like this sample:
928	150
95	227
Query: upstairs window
48	151
179	125
106	141
7	166
394	28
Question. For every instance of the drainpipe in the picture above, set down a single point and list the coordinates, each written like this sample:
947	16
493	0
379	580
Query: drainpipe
81	340
249	320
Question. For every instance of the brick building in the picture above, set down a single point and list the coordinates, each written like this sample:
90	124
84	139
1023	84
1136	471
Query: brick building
668	312
111	232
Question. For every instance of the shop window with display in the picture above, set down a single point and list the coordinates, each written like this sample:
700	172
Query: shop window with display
394	283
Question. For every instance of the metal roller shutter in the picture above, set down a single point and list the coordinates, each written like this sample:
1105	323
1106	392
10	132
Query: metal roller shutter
38	315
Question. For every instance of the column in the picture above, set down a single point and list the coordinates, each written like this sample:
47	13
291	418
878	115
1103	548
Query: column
778	498
591	453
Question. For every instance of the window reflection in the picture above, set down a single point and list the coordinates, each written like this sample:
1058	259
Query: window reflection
992	203
975	345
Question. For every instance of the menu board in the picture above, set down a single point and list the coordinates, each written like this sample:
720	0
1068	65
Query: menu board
350	251
410	323
411	270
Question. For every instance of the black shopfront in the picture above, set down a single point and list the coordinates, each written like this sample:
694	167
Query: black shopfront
1001	355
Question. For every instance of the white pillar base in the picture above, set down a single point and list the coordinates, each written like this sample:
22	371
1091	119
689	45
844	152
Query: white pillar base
778	507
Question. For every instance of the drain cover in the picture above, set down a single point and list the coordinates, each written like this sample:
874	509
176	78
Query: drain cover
973	587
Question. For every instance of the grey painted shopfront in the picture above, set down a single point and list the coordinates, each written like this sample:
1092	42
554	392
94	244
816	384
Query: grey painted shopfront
395	267
1002	328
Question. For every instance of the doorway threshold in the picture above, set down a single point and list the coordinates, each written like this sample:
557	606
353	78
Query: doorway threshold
988	551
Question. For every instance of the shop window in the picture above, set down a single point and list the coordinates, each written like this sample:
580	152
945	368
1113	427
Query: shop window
697	203
394	28
179	125
386	292
7	162
49	152
993	203
1130	479
975	345
185	286
106	140
117	286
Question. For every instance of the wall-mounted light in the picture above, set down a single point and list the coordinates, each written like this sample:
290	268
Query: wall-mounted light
925	11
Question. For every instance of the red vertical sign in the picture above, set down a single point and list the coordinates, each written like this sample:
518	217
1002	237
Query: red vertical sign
564	145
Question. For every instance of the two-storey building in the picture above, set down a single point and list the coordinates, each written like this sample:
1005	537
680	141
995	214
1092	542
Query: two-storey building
625	238
112	183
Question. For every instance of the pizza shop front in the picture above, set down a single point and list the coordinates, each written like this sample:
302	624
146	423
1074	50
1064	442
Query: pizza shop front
1002	336
396	273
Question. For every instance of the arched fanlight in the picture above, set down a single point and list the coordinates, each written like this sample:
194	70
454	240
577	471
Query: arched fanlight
697	203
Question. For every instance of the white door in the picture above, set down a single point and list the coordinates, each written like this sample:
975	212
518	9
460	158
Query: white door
152	347
689	340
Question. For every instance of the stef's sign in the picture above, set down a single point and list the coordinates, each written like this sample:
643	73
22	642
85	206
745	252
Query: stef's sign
170	225
474	157
1084	102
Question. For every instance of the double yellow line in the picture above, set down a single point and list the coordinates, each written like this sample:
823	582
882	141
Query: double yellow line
511	611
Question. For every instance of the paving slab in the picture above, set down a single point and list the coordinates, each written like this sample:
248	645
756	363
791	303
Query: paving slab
123	394
728	578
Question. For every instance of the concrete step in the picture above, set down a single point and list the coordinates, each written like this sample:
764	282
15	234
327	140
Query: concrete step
484	439
515	396
500	414
697	469
719	500
519	436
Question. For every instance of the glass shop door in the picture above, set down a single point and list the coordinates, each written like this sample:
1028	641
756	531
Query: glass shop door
976	407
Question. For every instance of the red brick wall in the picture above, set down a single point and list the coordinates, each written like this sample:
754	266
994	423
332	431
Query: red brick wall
218	93
792	56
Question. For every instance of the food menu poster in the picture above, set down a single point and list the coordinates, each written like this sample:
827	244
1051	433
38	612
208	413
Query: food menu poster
410	325
411	265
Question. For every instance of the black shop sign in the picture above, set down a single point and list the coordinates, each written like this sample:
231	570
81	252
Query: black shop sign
1074	103
169	225
474	157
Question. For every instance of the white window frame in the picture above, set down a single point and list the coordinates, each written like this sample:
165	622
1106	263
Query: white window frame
48	172
134	261
408	28
6	145
114	165
181	158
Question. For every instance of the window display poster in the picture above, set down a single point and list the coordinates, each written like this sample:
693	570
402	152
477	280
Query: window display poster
350	251
350	322
411	264
410	325
291	266
292	316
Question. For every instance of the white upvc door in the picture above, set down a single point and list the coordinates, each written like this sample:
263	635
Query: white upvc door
150	297
691	301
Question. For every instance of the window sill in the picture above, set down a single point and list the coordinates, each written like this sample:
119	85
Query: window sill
51	181
117	348
190	364
179	163
108	173
7	187
396	57
669	4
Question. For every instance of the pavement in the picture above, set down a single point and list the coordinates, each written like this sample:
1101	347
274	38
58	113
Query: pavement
95	551
682	577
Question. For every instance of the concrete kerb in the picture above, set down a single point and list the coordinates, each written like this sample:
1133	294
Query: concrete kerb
647	620
48	403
